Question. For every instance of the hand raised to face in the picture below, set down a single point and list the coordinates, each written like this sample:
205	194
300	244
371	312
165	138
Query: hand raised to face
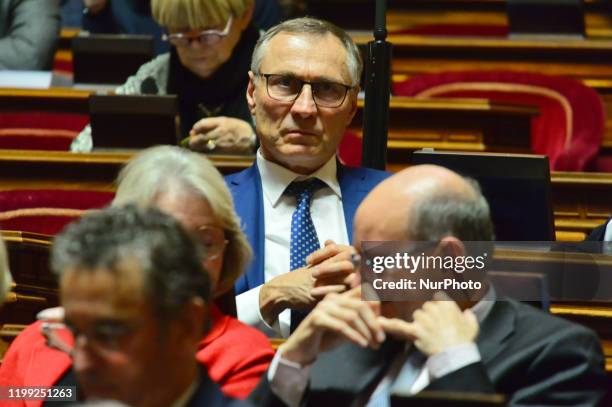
437	326
338	318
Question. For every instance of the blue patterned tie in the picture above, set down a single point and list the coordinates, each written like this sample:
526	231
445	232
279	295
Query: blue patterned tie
304	238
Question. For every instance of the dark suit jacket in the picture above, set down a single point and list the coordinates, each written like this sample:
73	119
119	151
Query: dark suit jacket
531	357
29	30
355	184
208	394
597	235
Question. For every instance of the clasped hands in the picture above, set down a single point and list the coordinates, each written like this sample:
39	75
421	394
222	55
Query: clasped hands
436	326
223	134
329	270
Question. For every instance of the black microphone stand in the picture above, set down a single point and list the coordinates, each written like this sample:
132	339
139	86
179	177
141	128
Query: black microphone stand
377	91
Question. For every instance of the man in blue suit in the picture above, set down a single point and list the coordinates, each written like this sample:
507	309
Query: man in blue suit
302	92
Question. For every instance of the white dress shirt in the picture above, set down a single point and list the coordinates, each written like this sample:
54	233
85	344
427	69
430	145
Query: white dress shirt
288	380
328	218
607	246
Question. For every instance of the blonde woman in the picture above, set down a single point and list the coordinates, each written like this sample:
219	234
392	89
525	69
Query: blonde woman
207	68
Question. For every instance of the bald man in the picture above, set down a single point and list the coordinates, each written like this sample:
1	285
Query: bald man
352	352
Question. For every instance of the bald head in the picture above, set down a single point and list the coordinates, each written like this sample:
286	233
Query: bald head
424	203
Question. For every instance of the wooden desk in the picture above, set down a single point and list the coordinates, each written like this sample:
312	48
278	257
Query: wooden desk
414	13
453	124
35	287
589	59
581	200
596	315
60	100
95	170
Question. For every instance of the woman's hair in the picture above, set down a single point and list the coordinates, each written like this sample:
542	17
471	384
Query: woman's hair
195	14
156	170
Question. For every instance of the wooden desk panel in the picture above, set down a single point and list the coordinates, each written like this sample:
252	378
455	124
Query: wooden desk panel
35	288
415	13
61	100
453	125
581	201
595	315
581	59
93	170
402	116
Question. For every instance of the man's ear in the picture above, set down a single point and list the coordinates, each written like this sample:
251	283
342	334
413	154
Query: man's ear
250	93
353	101
450	246
195	321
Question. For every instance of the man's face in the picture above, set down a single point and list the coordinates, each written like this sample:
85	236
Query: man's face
203	59
121	350
301	135
370	226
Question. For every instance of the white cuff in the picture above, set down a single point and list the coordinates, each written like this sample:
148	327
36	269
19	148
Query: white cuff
288	380
247	308
452	359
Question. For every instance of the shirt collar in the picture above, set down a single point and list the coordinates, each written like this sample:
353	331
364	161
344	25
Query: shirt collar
275	178
608	232
484	306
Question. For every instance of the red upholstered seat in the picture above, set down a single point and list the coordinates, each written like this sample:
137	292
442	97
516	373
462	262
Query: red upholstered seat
46	211
63	65
349	150
40	130
602	163
571	122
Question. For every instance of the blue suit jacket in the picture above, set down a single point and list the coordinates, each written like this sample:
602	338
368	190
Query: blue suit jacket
355	184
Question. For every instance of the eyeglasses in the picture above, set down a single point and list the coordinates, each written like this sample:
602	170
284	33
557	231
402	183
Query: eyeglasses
287	88
208	37
213	240
103	338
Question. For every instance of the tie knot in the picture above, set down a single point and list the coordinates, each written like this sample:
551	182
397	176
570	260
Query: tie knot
302	189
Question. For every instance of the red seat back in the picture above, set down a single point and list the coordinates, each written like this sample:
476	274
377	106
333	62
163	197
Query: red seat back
47	211
350	149
571	123
40	130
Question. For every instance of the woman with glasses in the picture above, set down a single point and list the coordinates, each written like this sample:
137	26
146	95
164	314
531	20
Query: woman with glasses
187	186
207	68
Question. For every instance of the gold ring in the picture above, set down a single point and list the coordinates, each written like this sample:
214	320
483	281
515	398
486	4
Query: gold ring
211	145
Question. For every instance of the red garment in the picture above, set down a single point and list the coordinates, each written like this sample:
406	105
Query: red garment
235	355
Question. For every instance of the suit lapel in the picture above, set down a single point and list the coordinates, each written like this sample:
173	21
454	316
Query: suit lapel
353	192
248	201
495	330
352	371
207	393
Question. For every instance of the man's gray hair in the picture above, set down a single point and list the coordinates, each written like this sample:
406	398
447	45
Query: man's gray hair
155	170
311	26
169	260
464	216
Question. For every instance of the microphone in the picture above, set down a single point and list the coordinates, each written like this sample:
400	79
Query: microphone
148	86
